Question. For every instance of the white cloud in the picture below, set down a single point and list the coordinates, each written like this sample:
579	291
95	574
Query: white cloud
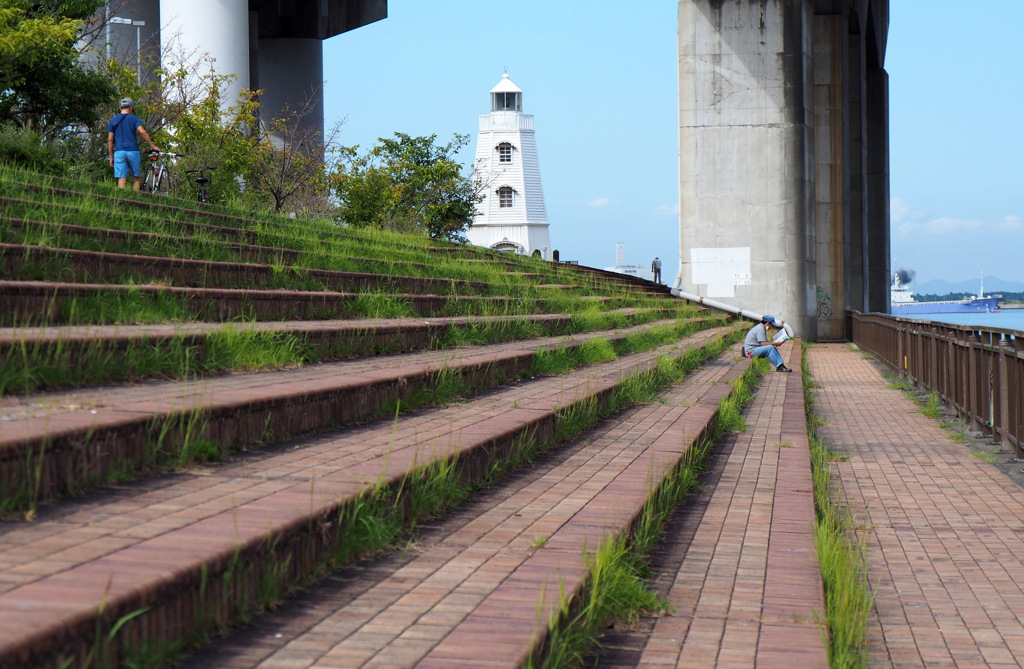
952	248
952	227
900	211
668	210
940	227
600	202
1010	224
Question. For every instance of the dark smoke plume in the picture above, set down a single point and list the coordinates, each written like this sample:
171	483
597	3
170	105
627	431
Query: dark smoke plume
905	275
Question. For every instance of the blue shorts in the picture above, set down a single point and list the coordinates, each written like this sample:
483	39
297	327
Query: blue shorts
125	161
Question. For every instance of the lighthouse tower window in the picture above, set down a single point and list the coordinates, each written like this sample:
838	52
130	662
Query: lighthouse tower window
505	197
504	152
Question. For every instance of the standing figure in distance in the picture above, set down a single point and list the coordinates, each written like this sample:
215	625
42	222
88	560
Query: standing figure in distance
124	145
758	344
656	268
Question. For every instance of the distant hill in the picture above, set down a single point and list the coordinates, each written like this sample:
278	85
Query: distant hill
993	284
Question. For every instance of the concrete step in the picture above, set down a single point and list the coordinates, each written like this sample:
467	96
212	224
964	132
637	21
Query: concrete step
738	562
39	263
35	303
60	443
394	611
197	566
193	242
47	358
178	211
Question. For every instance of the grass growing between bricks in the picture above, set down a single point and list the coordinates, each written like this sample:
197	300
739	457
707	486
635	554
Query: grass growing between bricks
174	229
933	406
616	589
842	553
381	518
179	440
29	365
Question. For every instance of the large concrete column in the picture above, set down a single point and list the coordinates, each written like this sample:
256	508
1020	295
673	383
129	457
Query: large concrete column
830	176
879	273
784	158
291	73
219	28
747	156
856	227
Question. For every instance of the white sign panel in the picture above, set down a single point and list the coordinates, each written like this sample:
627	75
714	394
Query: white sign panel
721	269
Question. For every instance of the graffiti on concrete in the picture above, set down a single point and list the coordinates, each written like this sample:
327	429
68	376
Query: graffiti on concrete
824	304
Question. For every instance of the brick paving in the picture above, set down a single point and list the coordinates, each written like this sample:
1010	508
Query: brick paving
56	333
945	531
466	599
104	553
29	551
47	406
741	572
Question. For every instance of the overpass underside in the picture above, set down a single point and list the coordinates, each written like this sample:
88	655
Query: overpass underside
275	46
784	158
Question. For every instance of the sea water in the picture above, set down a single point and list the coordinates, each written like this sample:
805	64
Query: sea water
1004	319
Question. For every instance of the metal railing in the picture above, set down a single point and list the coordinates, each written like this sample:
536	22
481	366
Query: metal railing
977	371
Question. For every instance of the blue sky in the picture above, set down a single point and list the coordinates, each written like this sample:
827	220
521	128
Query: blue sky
600	80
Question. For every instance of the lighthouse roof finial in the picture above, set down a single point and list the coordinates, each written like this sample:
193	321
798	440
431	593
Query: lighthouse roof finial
506	85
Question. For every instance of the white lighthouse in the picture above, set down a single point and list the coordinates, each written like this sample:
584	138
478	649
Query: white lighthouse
512	216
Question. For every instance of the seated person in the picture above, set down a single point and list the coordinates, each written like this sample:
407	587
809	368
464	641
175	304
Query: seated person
758	344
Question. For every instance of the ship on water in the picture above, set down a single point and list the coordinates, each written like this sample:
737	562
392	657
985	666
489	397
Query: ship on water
902	301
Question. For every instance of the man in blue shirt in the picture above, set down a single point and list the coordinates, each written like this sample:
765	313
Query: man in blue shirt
758	344
124	145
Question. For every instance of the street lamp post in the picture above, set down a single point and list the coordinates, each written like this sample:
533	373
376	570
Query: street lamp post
138	42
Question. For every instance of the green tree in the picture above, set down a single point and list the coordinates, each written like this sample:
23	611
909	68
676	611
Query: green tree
279	160
210	136
409	184
183	105
43	85
288	169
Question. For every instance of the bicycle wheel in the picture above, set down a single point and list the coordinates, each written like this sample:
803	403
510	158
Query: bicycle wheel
163	186
149	185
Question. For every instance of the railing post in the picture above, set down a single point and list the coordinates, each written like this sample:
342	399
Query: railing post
946	382
1015	390
1003	394
931	377
973	380
901	351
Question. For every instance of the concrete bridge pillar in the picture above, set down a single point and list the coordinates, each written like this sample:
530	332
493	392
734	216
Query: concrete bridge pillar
783	113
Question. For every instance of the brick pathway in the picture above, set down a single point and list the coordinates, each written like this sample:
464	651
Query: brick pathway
946	531
70	536
746	587
48	405
239	505
433	610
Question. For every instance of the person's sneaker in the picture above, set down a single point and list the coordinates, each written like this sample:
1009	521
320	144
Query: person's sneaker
783	368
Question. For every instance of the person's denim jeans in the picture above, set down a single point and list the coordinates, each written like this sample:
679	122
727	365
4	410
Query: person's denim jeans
769	352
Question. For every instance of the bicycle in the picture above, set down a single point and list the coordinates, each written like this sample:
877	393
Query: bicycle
202	180
158	176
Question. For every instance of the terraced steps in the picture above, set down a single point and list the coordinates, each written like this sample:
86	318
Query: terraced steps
58	444
43	302
200	564
204	242
19	261
132	233
275	226
158	513
46	358
434	602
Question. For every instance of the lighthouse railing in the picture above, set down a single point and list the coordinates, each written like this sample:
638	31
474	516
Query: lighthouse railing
506	121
